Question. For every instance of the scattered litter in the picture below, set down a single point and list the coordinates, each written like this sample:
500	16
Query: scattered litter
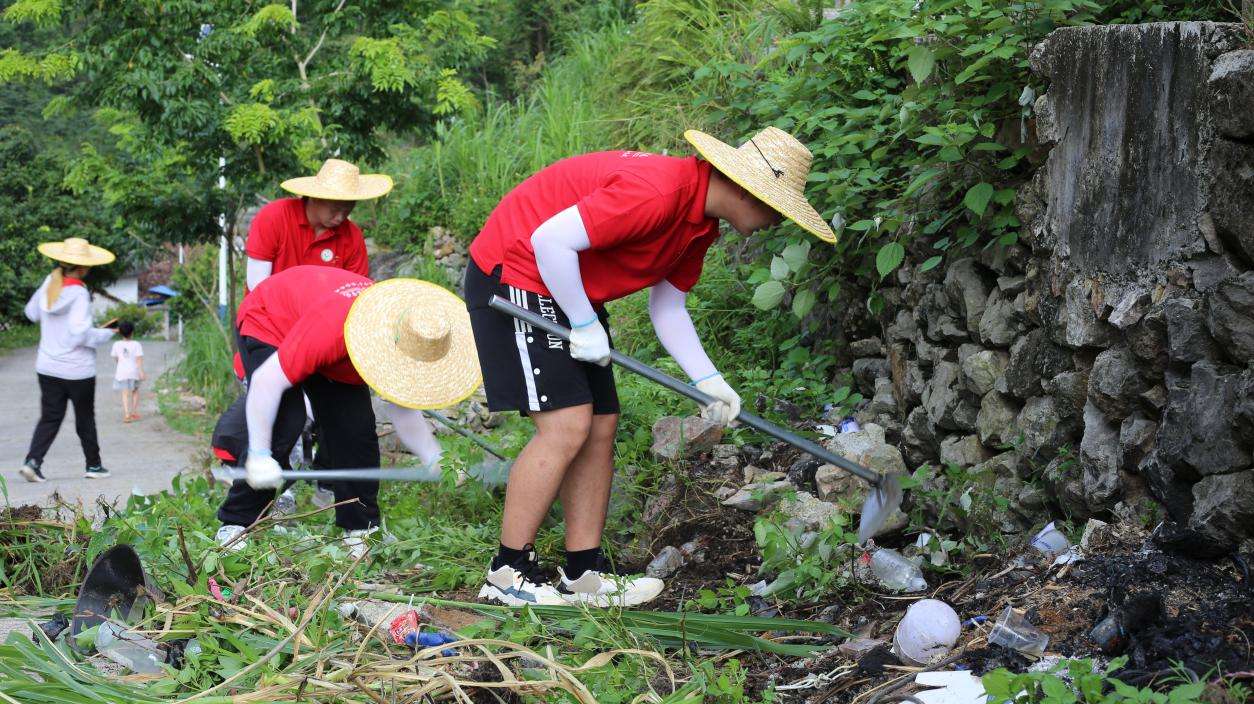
827	430
404	628
896	572
1072	554
927	632
53	628
133	652
849	425
953	687
1050	541
1014	631
668	561
969	623
758	588
216	590
1108	634
856	648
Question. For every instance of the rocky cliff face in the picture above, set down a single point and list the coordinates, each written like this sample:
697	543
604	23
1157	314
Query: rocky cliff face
1110	354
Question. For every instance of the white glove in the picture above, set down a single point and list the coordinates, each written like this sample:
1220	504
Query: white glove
589	343
261	471
727	404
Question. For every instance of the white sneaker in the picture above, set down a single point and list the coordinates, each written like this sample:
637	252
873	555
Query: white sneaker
228	533
524	585
323	497
603	589
357	541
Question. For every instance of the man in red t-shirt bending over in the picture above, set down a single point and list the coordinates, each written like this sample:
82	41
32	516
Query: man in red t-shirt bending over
328	333
584	231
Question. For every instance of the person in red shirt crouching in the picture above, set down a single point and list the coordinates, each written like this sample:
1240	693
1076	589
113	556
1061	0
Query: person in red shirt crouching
314	229
581	232
334	335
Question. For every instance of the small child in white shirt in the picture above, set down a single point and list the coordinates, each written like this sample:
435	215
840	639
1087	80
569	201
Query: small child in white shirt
130	371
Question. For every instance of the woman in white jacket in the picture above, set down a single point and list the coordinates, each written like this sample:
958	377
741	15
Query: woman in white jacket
66	362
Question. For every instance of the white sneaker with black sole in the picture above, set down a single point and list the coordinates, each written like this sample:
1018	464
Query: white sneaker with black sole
227	535
520	585
603	588
31	472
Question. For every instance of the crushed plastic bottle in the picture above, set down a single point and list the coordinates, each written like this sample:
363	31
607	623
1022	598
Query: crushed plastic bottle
135	653
849	425
1014	631
896	572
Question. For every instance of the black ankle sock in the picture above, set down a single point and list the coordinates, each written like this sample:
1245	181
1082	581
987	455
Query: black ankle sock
510	556
580	561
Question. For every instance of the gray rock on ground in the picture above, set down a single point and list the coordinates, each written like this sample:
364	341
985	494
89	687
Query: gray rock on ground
1099	460
755	497
675	438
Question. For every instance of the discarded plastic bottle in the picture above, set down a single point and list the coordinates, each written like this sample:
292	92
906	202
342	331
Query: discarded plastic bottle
895	572
1014	631
285	505
849	425
135	653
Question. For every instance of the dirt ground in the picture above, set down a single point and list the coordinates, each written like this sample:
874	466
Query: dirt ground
1172	611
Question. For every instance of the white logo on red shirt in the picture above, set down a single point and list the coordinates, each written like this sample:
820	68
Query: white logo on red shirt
635	155
327	255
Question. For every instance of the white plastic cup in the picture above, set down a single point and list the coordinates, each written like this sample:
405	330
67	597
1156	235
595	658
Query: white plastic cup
1050	541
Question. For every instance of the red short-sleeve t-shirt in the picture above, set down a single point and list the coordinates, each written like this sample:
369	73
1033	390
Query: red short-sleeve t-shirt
280	233
644	213
301	312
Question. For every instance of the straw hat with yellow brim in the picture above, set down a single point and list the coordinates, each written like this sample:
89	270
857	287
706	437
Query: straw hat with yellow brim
339	180
773	166
76	251
410	341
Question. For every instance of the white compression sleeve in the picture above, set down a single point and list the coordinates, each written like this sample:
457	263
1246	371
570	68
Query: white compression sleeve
415	432
674	329
557	244
265	391
257	271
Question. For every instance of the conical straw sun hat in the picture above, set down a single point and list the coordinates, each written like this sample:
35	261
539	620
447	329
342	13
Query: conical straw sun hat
77	251
339	180
411	342
773	166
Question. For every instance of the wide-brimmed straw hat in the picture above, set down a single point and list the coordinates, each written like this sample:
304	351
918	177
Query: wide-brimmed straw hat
339	180
411	342
773	166
77	251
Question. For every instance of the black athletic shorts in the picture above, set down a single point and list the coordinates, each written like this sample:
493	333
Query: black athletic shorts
527	370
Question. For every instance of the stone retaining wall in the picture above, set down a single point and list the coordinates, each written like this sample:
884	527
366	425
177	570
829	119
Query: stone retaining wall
1110	355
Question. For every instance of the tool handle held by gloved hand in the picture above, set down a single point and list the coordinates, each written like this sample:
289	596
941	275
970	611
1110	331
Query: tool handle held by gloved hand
670	382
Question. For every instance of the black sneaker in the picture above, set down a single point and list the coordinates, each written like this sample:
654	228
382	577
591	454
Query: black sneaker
96	472
30	471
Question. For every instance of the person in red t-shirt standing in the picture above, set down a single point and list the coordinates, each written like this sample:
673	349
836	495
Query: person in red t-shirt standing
581	232
312	229
327	333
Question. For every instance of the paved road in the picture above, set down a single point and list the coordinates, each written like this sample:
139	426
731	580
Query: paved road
144	454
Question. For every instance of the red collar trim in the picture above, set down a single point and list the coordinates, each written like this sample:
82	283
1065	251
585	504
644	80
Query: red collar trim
696	211
71	281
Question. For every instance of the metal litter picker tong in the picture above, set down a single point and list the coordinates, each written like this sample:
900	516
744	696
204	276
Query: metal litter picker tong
881	501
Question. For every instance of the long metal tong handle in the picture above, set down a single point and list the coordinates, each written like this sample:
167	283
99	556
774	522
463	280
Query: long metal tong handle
679	387
448	423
